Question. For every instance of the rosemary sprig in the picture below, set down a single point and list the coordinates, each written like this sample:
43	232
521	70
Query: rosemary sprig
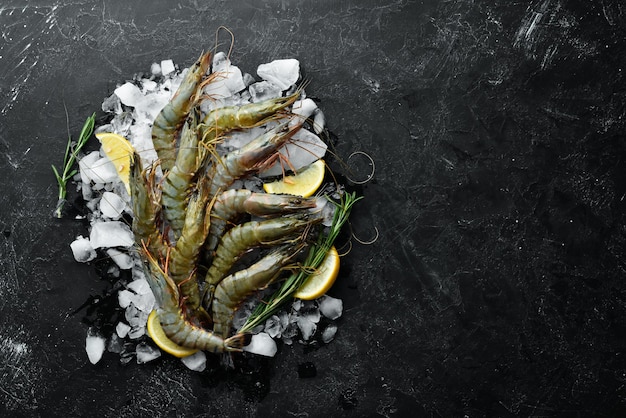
71	153
314	259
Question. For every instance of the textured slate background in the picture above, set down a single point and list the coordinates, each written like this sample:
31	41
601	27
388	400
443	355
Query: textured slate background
496	286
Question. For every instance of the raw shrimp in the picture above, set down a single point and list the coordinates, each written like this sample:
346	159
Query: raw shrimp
233	202
249	158
230	118
235	288
177	181
171	117
183	257
146	208
242	238
173	321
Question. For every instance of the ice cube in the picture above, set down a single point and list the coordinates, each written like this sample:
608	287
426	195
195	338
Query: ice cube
329	333
123	260
141	140
323	206
167	67
146	353
94	346
136	318
282	73
228	81
101	171
290	331
319	121
121	123
304	109
124	298
241	138
284	319
139	286
138	272
307	327
114	344
310	311
122	329
303	149
330	307
82	250
253	183
220	60
148	85
128	93
85	163
111	234
150	105
113	271
155	69
136	332
144	302
195	362
262	344
96	187
248	79
111	205
263	90
296	305
112	104
273	326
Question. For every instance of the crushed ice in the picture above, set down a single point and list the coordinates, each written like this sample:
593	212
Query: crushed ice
133	106
195	362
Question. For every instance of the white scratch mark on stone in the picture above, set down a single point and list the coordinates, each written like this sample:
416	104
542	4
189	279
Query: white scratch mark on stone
19	371
541	17
24	39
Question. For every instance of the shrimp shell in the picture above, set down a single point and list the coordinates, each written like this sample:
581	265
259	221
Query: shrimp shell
233	202
174	113
242	238
249	158
230	118
145	208
177	181
173	321
184	255
234	289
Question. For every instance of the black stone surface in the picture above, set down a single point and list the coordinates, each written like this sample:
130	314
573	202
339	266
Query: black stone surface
496	286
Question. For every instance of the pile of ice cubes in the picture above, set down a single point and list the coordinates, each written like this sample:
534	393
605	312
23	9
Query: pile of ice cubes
134	105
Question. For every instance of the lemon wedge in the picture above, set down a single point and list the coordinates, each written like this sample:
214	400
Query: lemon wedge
119	150
302	184
155	331
319	282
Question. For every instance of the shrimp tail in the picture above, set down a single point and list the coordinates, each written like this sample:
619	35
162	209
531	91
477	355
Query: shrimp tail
237	342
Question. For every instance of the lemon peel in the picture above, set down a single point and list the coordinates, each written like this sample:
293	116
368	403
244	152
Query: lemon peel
304	183
155	331
119	150
318	283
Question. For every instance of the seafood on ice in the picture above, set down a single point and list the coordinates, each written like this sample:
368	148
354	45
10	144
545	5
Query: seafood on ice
194	227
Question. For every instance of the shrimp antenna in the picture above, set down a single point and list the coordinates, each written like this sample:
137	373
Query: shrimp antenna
346	252
370	242
370	175
232	39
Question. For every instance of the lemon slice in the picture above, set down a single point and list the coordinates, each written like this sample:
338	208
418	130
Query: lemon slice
319	282
155	331
119	150
302	184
